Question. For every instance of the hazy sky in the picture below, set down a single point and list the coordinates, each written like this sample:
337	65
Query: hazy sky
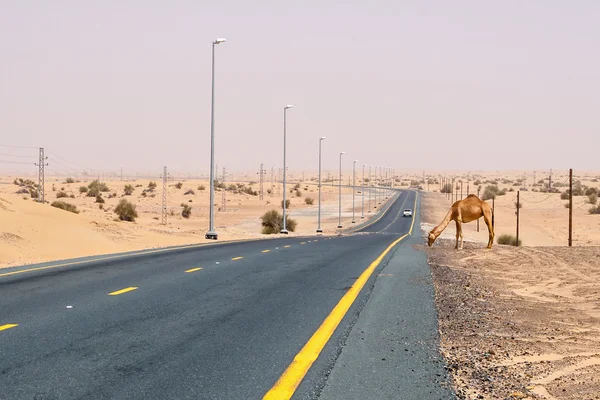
427	85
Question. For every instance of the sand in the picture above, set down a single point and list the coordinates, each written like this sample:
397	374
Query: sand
518	322
31	232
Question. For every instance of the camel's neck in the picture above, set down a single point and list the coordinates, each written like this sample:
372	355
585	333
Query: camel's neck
437	231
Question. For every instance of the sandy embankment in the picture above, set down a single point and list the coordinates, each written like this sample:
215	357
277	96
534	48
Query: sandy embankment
517	323
31	232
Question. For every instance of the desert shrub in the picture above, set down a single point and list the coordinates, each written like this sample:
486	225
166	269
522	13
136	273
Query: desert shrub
126	211
65	206
95	187
53	188
201	187
509	239
564	195
298	193
83	189
70	180
152	185
594	210
99	199
511	190
249	191
517	184
187	210
296	186
309	201
447	188
220	185
414	183
33	193
144	194
138	185
233	187
179	185
61	194
101	206
518	205
287	203
190	191
591	190
272	222
593	198
269	191
490	192
128	189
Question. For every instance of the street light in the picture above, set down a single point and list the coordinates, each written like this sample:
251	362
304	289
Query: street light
283	229
362	190
353	187
340	195
370	187
212	234
319	230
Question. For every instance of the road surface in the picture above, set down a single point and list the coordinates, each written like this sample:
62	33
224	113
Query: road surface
218	321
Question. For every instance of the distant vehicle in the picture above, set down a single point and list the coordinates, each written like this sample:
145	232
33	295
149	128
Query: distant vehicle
408	212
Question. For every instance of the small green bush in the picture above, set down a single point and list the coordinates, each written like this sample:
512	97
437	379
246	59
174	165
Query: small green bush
509	239
272	222
99	199
126	211
590	191
65	206
128	189
187	210
309	201
70	180
593	198
447	188
95	187
83	189
61	194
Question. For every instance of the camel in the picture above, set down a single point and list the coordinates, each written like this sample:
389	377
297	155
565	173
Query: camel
470	209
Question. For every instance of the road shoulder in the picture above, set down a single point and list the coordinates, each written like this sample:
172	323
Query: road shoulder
393	349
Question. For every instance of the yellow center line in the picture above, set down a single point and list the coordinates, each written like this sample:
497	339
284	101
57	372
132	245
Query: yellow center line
194	269
286	246
118	292
265	251
236	258
316	240
287	384
7	326
302	242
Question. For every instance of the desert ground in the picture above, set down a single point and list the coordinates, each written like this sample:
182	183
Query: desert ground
519	322
31	232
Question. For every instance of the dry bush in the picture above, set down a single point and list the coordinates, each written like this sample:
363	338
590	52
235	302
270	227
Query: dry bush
272	222
65	206
152	186
593	198
187	210
594	210
61	194
309	201
508	239
99	199
298	193
128	189
95	187
126	211
83	189
188	192
70	180
201	187
179	185
287	203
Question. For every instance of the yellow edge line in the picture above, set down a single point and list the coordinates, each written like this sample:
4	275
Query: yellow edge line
103	259
7	326
118	292
265	251
412	224
302	242
286	246
286	385
236	258
193	270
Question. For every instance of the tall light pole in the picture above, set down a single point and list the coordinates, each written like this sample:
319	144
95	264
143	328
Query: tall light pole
212	234
370	187
283	229
353	188
319	230
340	194
362	190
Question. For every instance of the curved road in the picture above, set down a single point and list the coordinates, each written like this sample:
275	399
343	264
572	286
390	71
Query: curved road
219	321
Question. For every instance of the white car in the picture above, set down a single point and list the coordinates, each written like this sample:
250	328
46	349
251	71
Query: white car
408	212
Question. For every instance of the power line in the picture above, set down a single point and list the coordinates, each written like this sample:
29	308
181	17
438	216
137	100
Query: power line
18	147
16	162
16	155
71	162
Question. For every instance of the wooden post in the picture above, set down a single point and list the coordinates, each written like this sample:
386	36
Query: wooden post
461	187
570	207
478	190
518	208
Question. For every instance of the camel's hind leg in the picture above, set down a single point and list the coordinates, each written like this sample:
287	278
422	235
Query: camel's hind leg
487	217
459	235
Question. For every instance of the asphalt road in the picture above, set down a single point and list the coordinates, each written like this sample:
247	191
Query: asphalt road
208	322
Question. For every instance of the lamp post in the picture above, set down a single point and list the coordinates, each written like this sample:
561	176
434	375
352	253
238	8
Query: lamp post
362	216
319	230
353	189
283	229
212	234
340	194
370	187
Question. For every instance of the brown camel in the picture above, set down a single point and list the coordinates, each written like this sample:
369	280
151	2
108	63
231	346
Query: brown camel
466	210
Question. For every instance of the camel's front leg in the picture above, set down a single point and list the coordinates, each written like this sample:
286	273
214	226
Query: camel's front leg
458	234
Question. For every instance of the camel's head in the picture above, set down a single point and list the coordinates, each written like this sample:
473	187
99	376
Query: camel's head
431	239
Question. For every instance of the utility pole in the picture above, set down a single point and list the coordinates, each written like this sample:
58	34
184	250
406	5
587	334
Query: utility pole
121	174
518	207
461	187
224	193
478	190
468	184
41	164
261	174
550	181
272	180
493	211
164	197
570	207
452	190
